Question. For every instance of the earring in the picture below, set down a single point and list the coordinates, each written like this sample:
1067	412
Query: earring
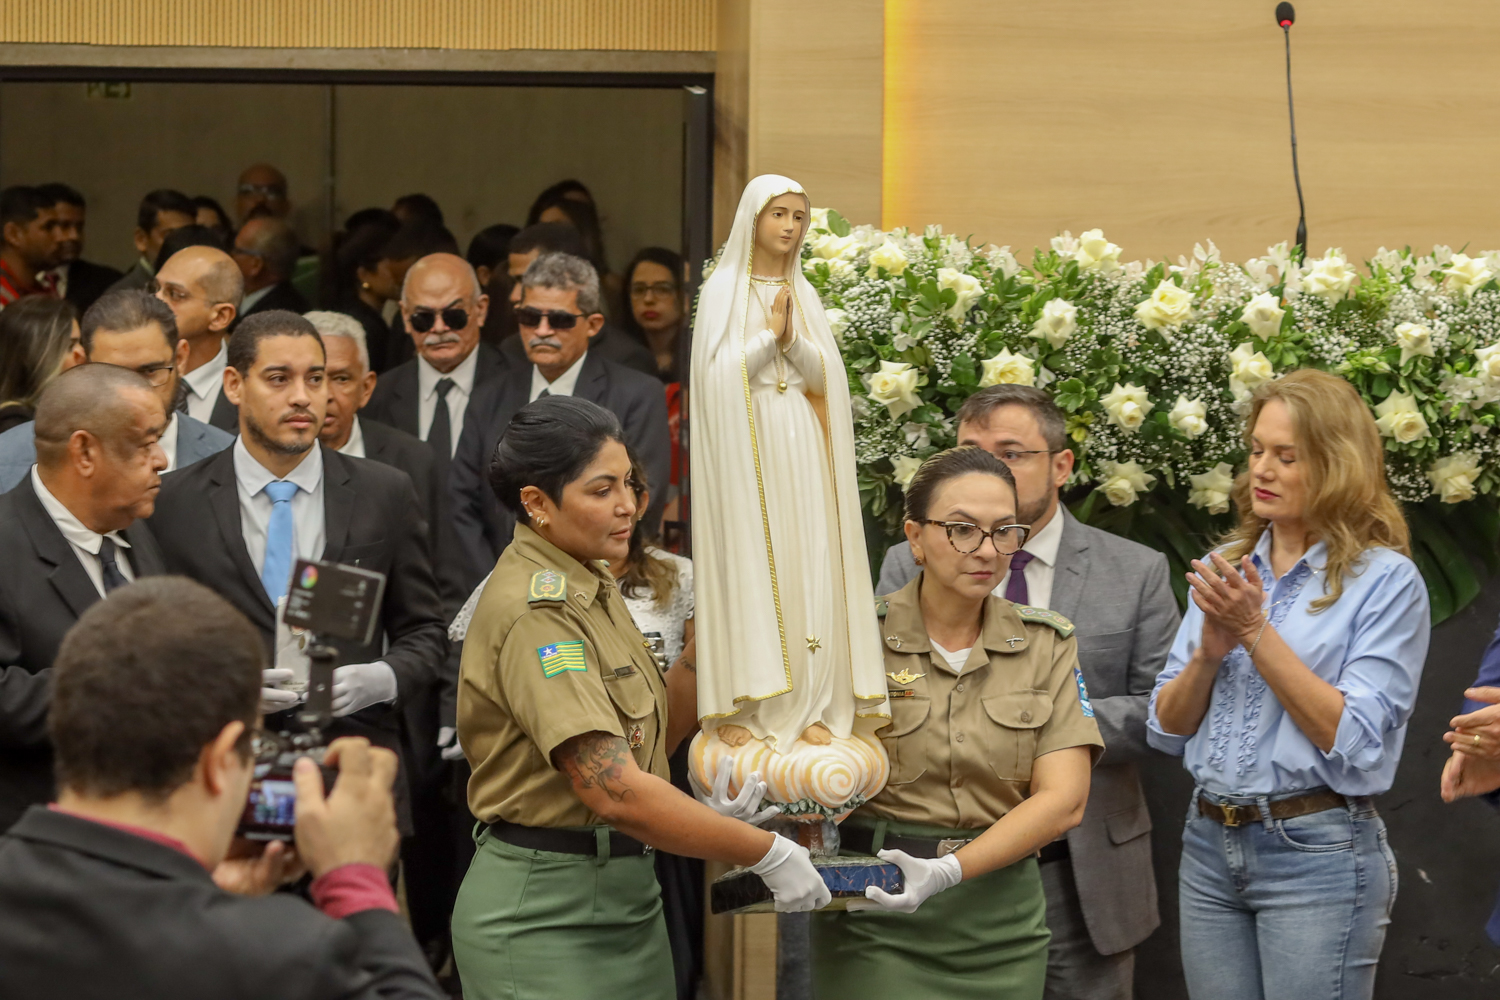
365	285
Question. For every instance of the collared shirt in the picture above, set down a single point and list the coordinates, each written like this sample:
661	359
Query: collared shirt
458	396
204	384
355	446
168	440
84	541
59	279
961	742
308	530
563	385
248	302
1370	644
551	653
1042	569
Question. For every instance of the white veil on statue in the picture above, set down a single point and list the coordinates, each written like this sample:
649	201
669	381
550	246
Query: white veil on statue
744	651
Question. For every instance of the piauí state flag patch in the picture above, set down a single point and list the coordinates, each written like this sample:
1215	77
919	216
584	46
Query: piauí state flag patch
563	656
1083	693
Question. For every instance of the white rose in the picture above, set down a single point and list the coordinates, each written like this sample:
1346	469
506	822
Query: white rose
831	247
1006	368
1211	489
838	322
906	467
1127	406
1263	315
1167	309
1058	322
1189	416
1467	274
1248	368
1095	253
965	286
1413	339
1453	477
1399	418
1488	359
1124	482
889	256
895	387
840	268
1330	277
819	219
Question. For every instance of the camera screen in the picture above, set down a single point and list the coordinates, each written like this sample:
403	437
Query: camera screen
272	803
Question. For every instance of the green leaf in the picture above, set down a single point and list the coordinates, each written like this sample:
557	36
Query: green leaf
837	224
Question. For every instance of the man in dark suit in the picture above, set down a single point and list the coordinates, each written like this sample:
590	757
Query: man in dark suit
558	315
1101	891
239	521
203	287
159	213
442	310
266	251
69	534
125	887
611	342
79	281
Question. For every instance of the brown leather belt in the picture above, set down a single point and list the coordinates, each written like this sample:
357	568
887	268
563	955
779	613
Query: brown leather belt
1231	814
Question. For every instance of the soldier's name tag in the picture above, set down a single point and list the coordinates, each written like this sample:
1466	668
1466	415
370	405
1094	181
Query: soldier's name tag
624	671
560	657
901	693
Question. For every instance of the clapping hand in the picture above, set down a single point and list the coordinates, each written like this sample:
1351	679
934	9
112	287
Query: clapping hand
1228	598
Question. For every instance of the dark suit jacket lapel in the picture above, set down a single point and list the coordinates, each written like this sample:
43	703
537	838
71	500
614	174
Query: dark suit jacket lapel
226	416
68	577
338	503
593	380
224	498
404	401
1072	569
189	442
145	554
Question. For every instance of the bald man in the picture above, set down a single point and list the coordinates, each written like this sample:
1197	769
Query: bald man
69	534
442	309
266	251
204	288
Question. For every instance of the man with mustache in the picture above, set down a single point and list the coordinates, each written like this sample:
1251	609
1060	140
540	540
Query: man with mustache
239	521
443	308
69	534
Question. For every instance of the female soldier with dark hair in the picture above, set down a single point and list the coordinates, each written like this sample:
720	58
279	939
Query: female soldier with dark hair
990	742
562	714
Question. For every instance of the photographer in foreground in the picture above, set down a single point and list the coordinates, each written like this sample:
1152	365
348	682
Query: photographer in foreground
119	889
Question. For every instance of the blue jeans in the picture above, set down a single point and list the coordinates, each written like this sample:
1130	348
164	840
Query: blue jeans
1290	909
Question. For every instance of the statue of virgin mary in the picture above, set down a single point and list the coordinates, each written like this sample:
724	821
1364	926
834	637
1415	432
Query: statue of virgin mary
790	671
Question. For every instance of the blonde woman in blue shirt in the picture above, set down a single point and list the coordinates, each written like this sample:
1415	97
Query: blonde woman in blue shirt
1288	692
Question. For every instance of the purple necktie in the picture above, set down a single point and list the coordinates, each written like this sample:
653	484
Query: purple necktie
1015	588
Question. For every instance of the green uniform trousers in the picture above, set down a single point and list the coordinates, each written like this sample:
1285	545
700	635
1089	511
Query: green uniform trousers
536	925
984	939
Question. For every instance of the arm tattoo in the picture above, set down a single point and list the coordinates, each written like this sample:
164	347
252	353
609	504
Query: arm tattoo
597	760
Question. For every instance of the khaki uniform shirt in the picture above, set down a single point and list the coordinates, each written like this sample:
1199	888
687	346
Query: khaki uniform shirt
551	654
961	745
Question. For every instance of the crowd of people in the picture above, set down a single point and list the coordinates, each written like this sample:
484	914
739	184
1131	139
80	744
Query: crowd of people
496	433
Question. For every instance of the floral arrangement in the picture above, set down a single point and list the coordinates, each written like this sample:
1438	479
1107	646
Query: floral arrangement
1154	364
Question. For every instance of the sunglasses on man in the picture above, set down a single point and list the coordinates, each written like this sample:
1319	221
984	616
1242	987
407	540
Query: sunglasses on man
531	317
423	320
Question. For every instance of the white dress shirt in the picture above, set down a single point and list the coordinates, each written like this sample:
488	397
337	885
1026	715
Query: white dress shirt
251	298
458	396
563	385
1041	570
355	446
168	440
204	384
84	540
308	530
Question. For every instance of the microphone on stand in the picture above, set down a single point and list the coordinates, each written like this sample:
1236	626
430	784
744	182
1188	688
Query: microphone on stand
1286	15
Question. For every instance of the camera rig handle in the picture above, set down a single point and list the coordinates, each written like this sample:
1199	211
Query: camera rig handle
317	711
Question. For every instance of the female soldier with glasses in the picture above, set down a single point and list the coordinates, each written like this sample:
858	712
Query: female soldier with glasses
991	741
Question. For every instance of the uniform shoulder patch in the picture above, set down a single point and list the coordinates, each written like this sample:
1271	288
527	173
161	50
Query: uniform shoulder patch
882	606
1083	694
560	657
548	585
1041	616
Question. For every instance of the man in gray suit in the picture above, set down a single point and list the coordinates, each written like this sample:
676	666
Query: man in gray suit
1101	893
132	329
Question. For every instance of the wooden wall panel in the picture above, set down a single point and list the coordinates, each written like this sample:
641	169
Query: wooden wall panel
1164	122
646	25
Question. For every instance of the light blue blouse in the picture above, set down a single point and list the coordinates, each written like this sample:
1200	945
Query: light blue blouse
1370	644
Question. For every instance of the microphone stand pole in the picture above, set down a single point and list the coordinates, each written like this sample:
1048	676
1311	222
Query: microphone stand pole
1286	31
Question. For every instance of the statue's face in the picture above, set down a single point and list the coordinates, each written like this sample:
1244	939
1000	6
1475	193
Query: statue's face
778	231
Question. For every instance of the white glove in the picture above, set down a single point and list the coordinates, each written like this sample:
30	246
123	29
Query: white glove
743	806
788	872
924	879
272	698
448	740
360	685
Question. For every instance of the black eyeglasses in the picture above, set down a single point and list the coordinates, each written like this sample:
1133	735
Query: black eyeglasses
966	537
423	320
1009	455
157	375
556	318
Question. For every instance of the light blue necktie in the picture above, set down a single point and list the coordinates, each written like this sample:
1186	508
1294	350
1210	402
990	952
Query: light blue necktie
276	570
